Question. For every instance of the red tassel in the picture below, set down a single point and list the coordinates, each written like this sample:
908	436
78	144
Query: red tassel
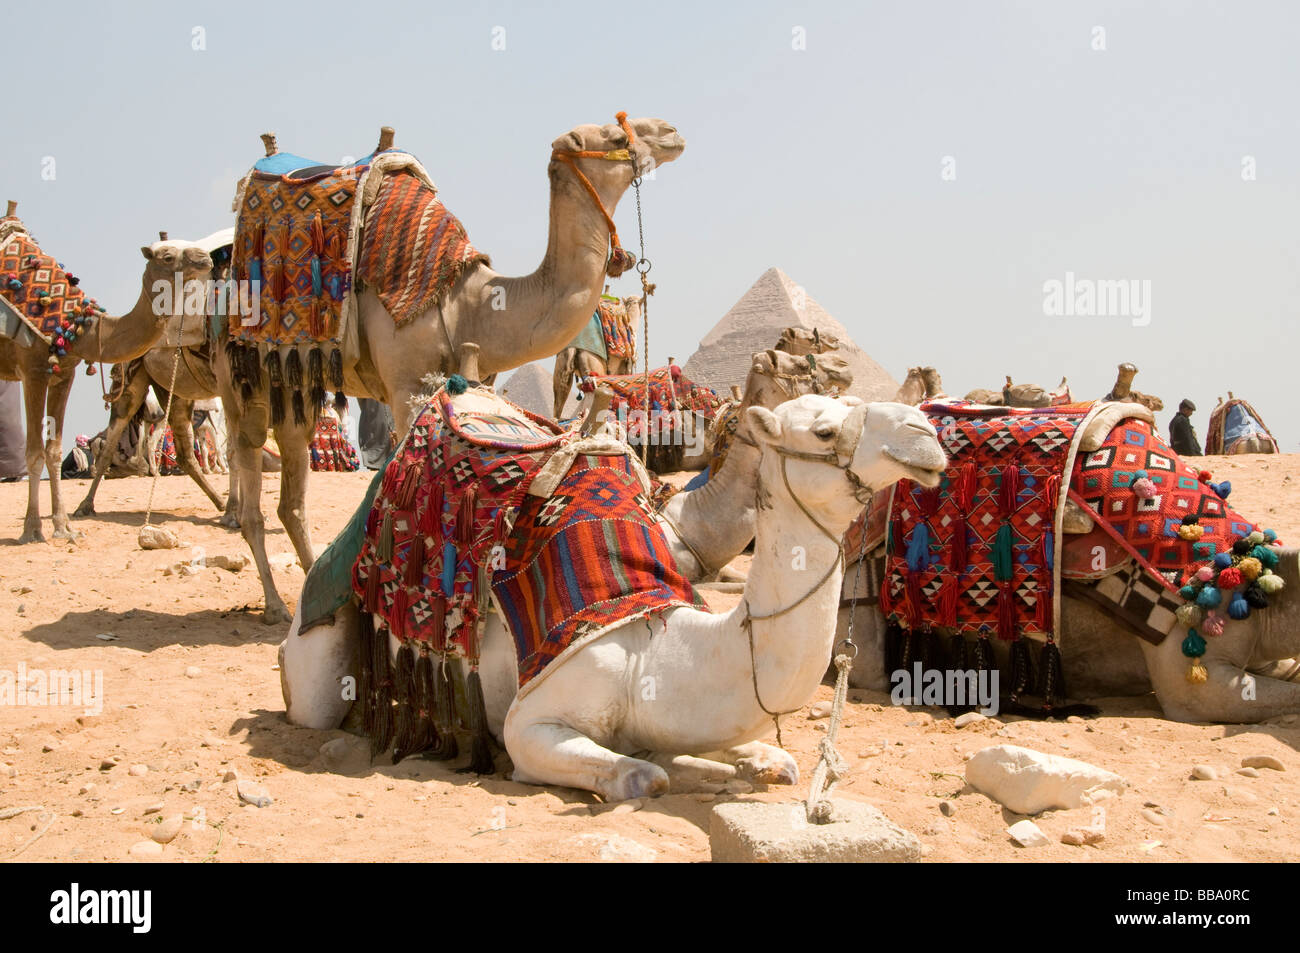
372	590
1007	612
967	479
438	623
415	561
886	598
1043	607
410	485
912	580
959	552
928	501
1051	491
948	595
429	515
1008	488
465	517
401	605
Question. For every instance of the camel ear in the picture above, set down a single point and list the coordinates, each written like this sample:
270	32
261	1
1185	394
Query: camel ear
569	142
147	251
764	424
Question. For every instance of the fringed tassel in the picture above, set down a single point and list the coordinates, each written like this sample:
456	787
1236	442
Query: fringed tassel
408	715
1021	669
927	499
299	409
384	551
372	590
275	385
276	396
949	593
401	607
1007	620
1008	489
983	657
382	735
336	369
316	376
1051	684
966	484
886	595
912	582
431	515
410	485
960	553
340	403
480	752
465	516
293	379
895	643
426	731
1003	553
935	657
414	574
444	713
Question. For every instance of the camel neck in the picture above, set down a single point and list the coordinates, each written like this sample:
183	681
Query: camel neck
115	339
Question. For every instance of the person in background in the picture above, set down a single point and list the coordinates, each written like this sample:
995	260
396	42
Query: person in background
375	433
1182	437
13	442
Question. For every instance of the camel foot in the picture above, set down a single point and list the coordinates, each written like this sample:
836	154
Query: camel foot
229	520
87	508
66	534
32	536
637	779
276	614
759	763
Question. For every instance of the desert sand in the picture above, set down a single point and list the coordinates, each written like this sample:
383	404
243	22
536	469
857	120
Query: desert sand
192	698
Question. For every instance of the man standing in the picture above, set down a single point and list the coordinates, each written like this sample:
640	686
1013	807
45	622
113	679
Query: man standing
1181	435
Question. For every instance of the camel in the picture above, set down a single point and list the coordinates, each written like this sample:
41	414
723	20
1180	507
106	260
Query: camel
1251	666
515	320
1123	389
921	383
583	363
1021	395
800	341
111	340
710	525
195	381
1252	435
589	725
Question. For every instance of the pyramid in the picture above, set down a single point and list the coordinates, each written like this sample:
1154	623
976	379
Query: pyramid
530	388
755	322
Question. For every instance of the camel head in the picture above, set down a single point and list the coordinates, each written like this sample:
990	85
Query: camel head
820	440
800	341
933	382
633	305
912	390
656	142
776	375
166	260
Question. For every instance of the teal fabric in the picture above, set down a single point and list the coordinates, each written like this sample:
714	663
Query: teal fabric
592	338
329	584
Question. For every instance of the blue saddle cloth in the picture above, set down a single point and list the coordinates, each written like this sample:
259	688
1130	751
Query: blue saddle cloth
296	167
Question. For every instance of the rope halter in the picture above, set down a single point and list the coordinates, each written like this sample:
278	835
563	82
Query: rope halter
620	260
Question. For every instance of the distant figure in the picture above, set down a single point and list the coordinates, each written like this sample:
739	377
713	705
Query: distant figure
1181	435
375	433
13	442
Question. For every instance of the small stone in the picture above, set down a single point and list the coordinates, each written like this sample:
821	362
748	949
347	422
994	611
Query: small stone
738	786
117	810
705	797
970	718
192	786
947	809
1152	817
76	813
629	806
1273	812
820	710
166	832
253	794
106	637
1030	782
138	770
87	788
49	746
1083	836
146	848
155	808
231	775
108	764
193	671
1027	834
1074	720
1262	761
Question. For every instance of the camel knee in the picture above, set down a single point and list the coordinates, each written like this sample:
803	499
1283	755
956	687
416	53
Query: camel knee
318	670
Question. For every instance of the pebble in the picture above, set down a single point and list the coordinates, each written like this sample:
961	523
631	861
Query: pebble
1262	761
1248	772
193	671
1083	836
1152	817
137	770
629	806
87	788
108	764
146	848
947	809
191	786
106	637
1273	812
1074	720
166	832
970	718
253	794
1239	795
1027	834
155	808
820	710
1203	772
705	798
49	746
231	775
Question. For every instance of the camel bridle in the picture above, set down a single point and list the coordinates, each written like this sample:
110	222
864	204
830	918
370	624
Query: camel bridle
620	260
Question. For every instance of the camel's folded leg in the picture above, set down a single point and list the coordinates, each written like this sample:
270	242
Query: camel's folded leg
314	666
1228	695
550	753
761	763
686	772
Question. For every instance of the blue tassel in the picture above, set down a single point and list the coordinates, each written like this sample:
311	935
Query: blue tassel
1222	488
1223	560
336	287
255	270
1049	550
457	385
448	569
1238	608
1209	598
316	282
918	550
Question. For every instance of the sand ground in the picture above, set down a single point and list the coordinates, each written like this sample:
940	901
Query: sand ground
191	696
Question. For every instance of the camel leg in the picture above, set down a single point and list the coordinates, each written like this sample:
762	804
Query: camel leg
1229	695
132	397
562	380
55	405
313	667
34	388
248	453
761	763
686	773
182	421
295	468
550	753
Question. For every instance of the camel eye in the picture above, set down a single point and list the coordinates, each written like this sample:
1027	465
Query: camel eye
824	432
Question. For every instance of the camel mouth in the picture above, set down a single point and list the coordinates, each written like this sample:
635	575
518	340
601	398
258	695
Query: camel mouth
927	475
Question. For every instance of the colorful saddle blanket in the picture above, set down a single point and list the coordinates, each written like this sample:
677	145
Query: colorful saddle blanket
670	391
616	327
453	516
330	448
413	250
42	298
978	553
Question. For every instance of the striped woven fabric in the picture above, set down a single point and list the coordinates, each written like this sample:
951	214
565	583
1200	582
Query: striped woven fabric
670	390
413	250
41	292
620	341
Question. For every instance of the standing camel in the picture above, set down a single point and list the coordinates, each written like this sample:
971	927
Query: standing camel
514	320
104	339
583	363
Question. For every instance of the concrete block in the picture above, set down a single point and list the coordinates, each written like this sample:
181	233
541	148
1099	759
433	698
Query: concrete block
751	832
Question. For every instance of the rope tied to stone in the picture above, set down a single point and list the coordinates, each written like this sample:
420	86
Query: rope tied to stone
830	766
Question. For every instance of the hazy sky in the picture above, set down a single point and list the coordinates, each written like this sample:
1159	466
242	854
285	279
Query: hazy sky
922	169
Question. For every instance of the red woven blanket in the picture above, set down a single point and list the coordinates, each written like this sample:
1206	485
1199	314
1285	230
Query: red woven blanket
413	250
669	391
620	337
330	448
40	290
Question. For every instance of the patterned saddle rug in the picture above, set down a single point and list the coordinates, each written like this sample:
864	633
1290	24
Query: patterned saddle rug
671	392
330	448
40	298
454	524
616	328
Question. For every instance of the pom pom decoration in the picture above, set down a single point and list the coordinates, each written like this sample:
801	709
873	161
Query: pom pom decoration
1255	538
1188	592
1238	608
1266	556
1143	488
457	385
1191	532
1269	536
1197	674
1250	568
1190	615
1230	578
1213	625
1222	488
1255	597
1270	583
1191	519
1193	645
1209	598
1204	574
1241	548
1222	560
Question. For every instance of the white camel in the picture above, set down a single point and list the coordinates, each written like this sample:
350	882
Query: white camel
718	677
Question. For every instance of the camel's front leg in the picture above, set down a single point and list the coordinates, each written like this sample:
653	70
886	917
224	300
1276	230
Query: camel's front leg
313	666
295	467
552	753
182	421
56	403
120	417
1228	695
761	763
248	453
34	389
687	773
